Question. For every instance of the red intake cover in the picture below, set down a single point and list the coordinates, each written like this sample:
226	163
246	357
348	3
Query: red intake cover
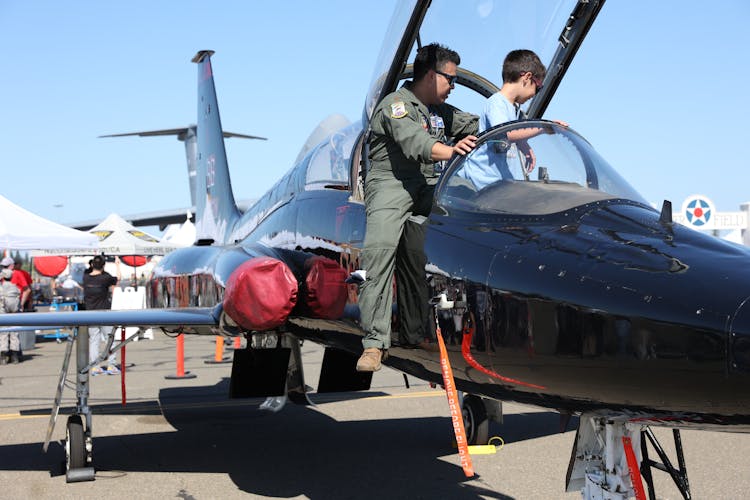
326	290
260	293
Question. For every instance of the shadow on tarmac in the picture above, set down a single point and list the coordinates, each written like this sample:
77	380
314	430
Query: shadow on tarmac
298	451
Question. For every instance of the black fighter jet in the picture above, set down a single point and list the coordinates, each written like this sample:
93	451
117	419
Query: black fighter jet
557	286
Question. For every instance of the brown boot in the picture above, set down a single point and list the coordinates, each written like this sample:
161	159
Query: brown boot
370	360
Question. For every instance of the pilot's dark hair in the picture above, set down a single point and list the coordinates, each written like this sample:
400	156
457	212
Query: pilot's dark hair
433	56
97	262
518	62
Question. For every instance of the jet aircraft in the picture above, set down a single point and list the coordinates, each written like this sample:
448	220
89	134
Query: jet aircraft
560	288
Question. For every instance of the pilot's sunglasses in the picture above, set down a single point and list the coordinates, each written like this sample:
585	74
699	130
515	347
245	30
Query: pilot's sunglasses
537	82
451	78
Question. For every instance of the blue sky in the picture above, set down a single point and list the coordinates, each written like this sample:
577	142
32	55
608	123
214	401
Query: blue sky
657	88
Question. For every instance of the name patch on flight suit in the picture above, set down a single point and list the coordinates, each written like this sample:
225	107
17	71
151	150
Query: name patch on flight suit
398	110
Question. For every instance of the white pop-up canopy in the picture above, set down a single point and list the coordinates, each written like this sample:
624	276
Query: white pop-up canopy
24	230
118	237
180	235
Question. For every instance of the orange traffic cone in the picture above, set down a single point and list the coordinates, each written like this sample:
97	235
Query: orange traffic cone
181	373
218	353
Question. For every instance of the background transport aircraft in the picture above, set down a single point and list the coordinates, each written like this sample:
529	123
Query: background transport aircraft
162	218
560	288
188	135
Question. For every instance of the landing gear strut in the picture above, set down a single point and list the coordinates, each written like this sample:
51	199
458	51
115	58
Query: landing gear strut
77	436
78	442
679	474
610	459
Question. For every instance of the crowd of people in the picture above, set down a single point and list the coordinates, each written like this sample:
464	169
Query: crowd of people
94	293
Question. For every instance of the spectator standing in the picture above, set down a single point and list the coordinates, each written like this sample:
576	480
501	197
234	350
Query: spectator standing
28	303
19	279
97	294
10	344
70	289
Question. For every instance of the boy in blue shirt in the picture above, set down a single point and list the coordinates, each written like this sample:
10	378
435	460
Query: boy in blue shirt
523	73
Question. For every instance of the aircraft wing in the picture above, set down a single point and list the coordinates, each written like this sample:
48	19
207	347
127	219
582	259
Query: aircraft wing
161	218
198	320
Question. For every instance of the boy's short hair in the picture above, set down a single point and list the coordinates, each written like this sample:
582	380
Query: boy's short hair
433	56
521	61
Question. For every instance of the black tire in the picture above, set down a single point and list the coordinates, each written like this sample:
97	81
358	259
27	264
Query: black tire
75	444
476	423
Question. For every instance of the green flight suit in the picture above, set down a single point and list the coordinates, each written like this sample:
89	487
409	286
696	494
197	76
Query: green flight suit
399	184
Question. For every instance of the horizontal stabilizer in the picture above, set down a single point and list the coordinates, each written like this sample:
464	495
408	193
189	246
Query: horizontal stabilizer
181	132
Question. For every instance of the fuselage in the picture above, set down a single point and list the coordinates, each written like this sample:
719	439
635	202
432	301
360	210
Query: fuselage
599	305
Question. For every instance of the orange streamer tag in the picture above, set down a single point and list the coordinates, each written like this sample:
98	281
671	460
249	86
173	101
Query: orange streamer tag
455	408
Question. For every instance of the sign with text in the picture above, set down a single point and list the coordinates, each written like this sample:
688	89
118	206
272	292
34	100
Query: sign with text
699	212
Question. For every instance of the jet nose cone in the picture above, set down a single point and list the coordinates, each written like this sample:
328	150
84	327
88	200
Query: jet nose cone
740	337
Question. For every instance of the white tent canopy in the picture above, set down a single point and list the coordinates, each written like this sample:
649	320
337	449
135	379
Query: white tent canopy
24	230
180	235
118	237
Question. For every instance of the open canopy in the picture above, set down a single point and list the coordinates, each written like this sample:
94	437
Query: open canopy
118	237
24	230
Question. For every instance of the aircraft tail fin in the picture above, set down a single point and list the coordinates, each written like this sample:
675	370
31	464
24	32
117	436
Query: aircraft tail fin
189	136
216	211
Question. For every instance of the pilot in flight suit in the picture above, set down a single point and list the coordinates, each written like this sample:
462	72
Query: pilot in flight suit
407	150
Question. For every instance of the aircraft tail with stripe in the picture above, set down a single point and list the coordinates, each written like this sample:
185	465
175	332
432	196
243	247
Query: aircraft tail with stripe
216	211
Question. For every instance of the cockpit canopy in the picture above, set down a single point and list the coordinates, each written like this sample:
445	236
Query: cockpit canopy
553	170
329	163
482	33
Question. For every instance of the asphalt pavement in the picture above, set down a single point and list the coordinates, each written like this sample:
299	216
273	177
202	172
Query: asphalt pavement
183	438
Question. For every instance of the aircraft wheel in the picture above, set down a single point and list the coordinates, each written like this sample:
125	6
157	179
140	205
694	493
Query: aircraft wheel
476	423
75	444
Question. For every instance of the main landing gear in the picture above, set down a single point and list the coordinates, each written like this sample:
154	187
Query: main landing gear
78	441
78	430
477	413
476	423
610	459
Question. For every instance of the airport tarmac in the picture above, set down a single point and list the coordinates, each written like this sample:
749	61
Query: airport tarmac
184	439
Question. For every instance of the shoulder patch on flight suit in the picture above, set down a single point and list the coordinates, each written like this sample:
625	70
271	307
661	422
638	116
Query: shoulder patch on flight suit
398	109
